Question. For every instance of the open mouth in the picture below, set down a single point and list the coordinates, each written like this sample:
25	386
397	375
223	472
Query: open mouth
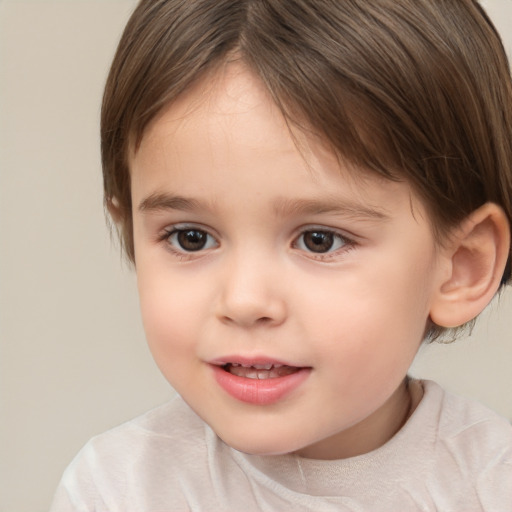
258	382
260	371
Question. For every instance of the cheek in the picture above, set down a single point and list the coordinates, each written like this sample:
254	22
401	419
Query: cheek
169	313
373	316
170	319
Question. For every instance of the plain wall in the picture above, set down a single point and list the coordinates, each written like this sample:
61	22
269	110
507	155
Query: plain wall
73	360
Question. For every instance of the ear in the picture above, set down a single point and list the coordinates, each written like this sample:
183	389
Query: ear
112	205
473	262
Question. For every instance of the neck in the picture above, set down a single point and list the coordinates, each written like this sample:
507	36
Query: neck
370	433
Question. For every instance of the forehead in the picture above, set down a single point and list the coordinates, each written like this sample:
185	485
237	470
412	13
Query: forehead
223	99
234	103
227	130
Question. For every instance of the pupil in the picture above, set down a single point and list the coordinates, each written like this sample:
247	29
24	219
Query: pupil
192	239
318	241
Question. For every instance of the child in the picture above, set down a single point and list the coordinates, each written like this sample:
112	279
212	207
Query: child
308	190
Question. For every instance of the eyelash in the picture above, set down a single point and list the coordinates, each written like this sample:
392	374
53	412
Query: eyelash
175	231
344	243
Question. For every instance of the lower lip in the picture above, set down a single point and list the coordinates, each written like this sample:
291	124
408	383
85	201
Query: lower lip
259	391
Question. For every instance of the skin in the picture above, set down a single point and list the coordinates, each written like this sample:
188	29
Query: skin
221	160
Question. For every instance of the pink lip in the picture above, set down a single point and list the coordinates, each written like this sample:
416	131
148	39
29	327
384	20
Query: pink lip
256	391
221	361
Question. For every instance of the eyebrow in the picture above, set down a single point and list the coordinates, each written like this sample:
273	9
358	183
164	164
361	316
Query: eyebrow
336	206
282	207
159	202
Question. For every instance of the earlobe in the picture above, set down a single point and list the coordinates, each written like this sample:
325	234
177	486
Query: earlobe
474	258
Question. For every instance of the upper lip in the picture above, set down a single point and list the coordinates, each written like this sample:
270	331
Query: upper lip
251	361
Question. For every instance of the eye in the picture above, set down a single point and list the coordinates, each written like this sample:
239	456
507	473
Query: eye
320	241
190	239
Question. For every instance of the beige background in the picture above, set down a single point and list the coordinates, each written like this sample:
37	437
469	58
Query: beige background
73	360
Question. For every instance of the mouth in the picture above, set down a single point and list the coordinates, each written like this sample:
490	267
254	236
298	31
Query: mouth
259	381
260	371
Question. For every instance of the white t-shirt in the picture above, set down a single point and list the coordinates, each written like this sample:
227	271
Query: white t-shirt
451	455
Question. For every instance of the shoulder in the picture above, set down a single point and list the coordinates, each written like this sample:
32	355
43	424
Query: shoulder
473	448
167	421
468	423
121	465
171	426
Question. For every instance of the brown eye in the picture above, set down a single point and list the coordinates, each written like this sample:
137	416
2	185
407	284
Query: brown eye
191	240
318	241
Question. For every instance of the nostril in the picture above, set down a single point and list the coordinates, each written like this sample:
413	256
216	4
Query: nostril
264	320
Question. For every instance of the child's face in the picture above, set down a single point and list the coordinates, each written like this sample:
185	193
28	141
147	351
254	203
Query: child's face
250	251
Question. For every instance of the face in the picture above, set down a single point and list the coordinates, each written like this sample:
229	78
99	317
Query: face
283	295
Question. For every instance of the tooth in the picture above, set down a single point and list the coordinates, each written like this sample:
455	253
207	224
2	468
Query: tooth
262	366
235	364
238	371
251	375
246	365
263	374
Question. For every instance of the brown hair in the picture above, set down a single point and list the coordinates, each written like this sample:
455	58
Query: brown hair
411	89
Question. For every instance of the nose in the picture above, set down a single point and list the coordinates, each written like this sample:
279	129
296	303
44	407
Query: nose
252	293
